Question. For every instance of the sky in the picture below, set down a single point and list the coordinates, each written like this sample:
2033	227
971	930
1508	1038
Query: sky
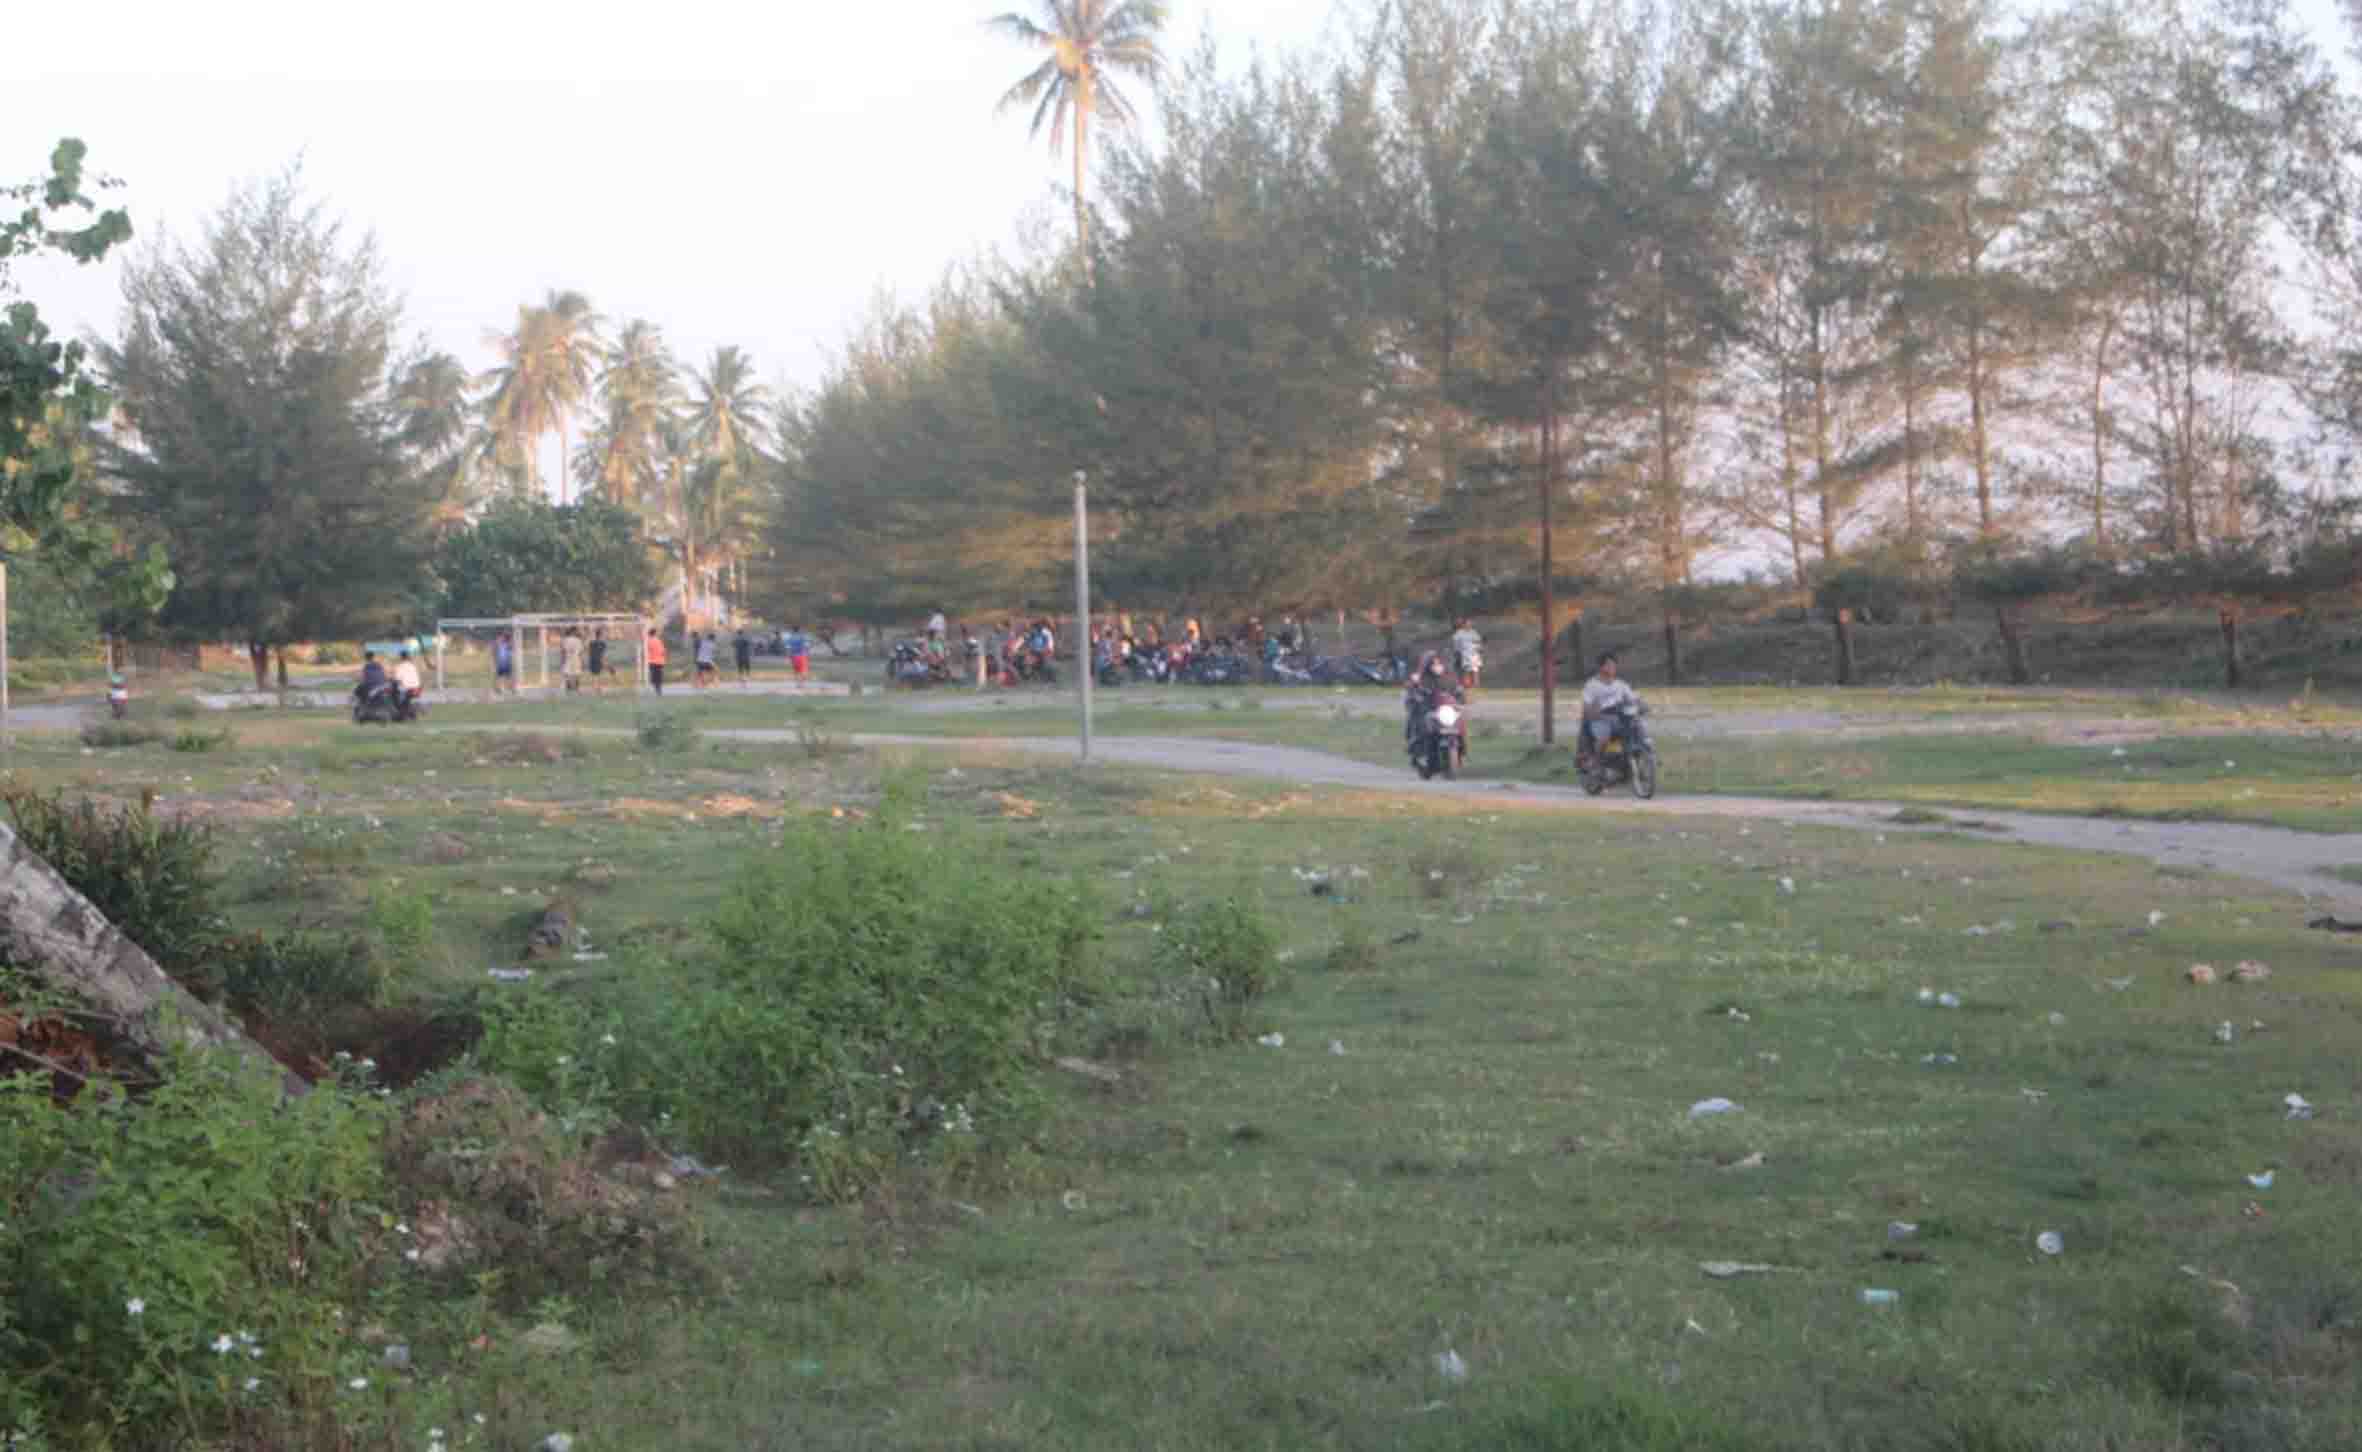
739	173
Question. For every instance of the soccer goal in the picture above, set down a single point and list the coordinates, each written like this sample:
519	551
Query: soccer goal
625	633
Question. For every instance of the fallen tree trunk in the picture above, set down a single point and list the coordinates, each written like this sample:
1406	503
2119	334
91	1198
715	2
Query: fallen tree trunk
55	933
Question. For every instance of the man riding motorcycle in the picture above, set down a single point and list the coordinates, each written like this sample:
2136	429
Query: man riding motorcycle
373	677
1430	686
1603	695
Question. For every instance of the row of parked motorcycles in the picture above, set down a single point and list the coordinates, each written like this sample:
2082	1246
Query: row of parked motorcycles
1216	666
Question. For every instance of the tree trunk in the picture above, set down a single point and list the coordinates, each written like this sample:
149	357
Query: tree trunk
1549	629
1082	216
1672	649
258	655
1845	647
57	934
282	654
2013	646
2230	623
1573	638
2099	438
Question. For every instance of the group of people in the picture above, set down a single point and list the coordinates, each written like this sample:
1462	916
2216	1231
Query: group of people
1605	695
576	655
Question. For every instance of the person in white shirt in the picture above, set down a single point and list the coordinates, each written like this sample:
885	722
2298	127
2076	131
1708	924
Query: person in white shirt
935	625
1467	653
1602	694
406	674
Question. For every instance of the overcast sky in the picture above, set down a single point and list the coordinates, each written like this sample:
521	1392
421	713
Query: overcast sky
738	172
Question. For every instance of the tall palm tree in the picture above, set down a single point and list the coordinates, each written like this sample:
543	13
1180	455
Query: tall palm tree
547	366
727	409
641	389
1090	44
432	412
727	416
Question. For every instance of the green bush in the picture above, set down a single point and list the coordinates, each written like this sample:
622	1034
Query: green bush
868	994
200	741
667	733
289	977
110	734
1229	951
136	1239
153	877
331	655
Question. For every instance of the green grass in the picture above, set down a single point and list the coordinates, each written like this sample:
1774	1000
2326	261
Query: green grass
1254	1247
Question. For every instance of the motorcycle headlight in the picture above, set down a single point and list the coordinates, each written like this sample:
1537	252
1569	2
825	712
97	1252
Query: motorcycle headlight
1448	715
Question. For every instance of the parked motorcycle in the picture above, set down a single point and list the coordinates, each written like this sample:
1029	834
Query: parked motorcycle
1218	669
913	665
1626	756
1441	746
118	697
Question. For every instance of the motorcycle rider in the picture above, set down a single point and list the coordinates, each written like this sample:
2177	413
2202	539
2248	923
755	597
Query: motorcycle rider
1431	685
406	681
1603	695
372	676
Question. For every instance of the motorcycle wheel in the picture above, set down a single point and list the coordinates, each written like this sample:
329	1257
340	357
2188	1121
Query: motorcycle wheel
1594	781
1644	774
1450	764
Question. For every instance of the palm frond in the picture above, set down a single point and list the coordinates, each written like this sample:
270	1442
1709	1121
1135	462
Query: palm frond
1040	82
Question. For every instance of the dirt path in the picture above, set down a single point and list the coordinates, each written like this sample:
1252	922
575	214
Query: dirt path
2293	861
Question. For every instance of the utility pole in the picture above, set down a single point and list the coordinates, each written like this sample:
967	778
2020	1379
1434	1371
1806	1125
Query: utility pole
1549	615
1082	601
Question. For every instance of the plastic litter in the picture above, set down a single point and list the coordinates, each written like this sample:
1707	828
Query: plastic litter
1707	1107
2298	1107
2225	1032
2155	917
2262	1181
509	975
1948	1000
2250	971
2200	973
1273	1041
1727	1270
1901	1229
1337	1047
2120	984
1939	1059
2057	1019
1450	1367
2050	1242
1879	1296
1788	886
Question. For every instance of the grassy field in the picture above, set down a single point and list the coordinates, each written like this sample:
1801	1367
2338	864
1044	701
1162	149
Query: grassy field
1464	1203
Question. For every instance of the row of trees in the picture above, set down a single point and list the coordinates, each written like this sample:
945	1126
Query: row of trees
1832	284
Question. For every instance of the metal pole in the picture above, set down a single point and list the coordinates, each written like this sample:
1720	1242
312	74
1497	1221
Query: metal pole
1082	602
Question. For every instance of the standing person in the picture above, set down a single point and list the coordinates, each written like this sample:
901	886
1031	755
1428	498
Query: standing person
1467	653
703	654
655	658
799	652
598	654
570	659
742	650
504	664
935	626
974	650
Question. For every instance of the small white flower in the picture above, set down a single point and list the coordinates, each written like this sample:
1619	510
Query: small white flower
245	1338
254	1383
359	1383
411	1255
608	1040
222	1344
564	1060
135	1306
401	1227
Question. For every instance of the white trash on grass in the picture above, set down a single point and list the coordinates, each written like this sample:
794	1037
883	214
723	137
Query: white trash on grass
1706	1108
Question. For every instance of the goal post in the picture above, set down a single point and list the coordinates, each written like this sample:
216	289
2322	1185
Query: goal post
543	624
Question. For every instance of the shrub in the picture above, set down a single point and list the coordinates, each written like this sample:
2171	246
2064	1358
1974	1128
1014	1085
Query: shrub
198	741
667	733
867	993
137	1237
1355	951
289	978
499	1187
110	734
153	877
330	655
1227	948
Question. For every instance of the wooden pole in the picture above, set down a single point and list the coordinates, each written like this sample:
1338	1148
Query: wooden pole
1082	602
